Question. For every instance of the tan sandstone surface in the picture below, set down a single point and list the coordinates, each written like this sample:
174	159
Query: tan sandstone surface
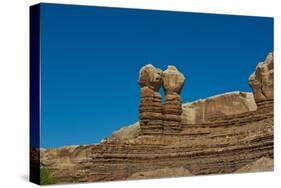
218	106
227	133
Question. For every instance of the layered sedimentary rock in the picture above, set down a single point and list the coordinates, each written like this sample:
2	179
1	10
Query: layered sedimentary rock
173	82
127	133
160	173
217	107
150	109
262	82
223	146
260	165
240	140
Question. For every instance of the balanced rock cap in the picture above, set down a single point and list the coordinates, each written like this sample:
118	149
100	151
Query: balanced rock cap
151	77
173	80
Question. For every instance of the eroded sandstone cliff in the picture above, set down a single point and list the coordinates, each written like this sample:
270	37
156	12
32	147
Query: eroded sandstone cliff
173	82
222	134
150	108
217	107
262	83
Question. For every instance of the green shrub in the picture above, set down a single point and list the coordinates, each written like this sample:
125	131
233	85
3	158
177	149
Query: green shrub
45	178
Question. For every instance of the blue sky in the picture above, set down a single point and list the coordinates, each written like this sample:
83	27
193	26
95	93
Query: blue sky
90	58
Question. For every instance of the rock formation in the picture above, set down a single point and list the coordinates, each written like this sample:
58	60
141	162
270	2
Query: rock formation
260	165
173	82
127	133
218	147
217	107
262	82
236	140
160	173
150	109
155	118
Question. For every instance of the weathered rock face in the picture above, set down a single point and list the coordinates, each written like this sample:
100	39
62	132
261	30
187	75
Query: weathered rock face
224	146
127	133
150	77
217	107
262	81
160	173
240	140
173	82
150	109
260	165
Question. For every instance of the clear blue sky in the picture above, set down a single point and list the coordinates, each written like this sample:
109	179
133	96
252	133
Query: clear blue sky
91	57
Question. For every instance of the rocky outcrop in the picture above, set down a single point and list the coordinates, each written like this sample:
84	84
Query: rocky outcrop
160	173
173	82
155	118
218	147
127	133
217	107
234	137
260	165
262	82
213	108
150	77
150	109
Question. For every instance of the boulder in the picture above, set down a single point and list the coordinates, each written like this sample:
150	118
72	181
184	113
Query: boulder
173	80
150	77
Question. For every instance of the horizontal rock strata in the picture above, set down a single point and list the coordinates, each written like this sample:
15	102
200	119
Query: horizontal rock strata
209	148
173	82
232	140
160	173
172	110
216	107
150	108
260	165
150	112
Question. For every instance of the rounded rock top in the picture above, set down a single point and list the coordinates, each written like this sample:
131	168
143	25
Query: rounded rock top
150	76
173	80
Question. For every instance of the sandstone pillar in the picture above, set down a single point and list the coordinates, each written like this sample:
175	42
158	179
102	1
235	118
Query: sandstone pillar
150	109
173	82
262	84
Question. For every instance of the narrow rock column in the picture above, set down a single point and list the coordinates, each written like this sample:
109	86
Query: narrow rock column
262	84
150	109
173	82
